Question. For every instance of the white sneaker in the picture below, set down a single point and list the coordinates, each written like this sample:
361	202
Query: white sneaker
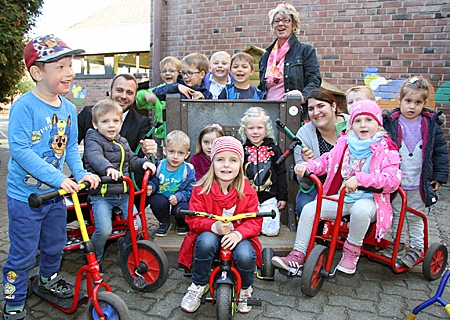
247	293
191	300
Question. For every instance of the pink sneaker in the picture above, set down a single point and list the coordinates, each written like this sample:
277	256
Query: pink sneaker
292	262
350	257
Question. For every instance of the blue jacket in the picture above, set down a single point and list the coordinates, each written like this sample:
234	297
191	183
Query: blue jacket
207	82
162	91
185	190
228	93
434	153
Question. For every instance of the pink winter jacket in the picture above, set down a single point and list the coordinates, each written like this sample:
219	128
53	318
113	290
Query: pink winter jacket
384	173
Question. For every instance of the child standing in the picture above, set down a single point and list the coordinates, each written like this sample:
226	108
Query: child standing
106	153
423	149
241	70
190	82
171	187
219	76
369	159
42	136
264	175
224	190
201	160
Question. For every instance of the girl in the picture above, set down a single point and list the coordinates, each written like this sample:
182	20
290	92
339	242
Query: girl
201	159
224	190
265	176
425	169
368	158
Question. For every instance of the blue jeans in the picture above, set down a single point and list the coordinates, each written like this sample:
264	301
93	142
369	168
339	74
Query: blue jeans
29	227
102	209
207	245
303	199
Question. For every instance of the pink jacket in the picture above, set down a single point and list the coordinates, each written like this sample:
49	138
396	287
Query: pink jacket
384	173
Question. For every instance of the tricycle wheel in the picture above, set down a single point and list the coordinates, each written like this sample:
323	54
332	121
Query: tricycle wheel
153	266
112	307
224	301
267	268
312	279
435	261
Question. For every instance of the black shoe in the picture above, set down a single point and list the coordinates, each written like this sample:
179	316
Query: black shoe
164	228
182	230
14	314
56	285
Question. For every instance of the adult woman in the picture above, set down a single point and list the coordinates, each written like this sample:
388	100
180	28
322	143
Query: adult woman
318	137
288	67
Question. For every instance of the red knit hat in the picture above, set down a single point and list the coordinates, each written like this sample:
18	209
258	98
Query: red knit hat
47	48
366	107
227	143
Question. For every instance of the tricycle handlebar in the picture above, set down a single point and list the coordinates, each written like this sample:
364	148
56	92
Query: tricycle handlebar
240	216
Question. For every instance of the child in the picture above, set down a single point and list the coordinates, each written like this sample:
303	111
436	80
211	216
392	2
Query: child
358	93
190	82
369	159
42	136
106	153
423	149
264	175
219	76
201	160
241	70
171	186
224	190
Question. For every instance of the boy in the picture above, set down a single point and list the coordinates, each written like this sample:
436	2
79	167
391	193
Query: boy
42	136
172	184
190	83
219	76
106	153
241	70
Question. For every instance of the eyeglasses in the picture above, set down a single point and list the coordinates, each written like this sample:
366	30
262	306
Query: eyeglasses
169	71
285	21
189	74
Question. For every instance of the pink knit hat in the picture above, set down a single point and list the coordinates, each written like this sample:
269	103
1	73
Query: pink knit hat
227	143
367	107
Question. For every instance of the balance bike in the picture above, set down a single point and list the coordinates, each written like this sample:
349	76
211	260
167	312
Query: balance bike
100	305
319	259
225	281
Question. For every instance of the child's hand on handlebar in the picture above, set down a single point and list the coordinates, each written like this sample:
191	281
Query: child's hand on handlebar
70	186
113	173
350	185
93	179
230	240
300	169
223	228
149	166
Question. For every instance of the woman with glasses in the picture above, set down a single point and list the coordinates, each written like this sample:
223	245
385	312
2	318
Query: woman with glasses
288	67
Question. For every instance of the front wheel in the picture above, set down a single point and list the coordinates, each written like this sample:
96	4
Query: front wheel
435	261
312	280
112	307
153	266
224	301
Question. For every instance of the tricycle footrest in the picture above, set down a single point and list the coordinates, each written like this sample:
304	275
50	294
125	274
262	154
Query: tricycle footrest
252	301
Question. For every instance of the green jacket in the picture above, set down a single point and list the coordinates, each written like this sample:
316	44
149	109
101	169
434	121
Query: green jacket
159	105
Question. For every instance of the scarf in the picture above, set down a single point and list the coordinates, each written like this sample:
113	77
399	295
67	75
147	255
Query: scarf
275	63
224	201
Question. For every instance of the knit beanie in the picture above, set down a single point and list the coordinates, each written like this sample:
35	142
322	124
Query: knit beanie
366	107
227	143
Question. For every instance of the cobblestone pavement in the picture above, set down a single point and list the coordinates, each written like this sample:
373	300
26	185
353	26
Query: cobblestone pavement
374	292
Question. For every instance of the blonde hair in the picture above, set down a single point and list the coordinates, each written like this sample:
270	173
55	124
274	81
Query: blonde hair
207	180
103	107
220	53
243	56
178	136
169	59
366	90
197	59
286	9
207	130
414	84
259	113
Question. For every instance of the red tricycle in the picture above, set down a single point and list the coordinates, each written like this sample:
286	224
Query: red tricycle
225	281
319	258
100	304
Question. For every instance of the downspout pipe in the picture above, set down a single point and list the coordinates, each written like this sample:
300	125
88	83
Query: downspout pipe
156	45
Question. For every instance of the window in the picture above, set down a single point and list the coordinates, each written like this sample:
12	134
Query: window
134	63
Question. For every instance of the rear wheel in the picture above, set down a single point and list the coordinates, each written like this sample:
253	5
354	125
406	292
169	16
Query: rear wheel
312	279
153	266
224	301
267	268
435	261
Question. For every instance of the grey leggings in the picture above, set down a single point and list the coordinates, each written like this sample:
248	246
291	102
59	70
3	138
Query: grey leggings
362	213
